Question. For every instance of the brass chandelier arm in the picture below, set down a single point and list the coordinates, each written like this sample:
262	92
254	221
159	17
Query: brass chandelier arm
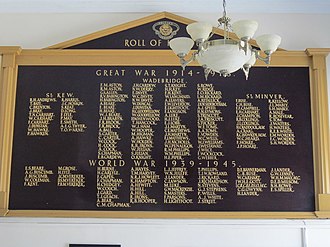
200	50
185	62
266	59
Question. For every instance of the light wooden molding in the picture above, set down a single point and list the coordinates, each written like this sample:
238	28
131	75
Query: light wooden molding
7	109
323	214
133	57
4	50
320	118
9	54
324	202
3	212
2	200
317	51
162	214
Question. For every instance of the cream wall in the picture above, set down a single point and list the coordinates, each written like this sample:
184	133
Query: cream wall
41	30
298	31
19	232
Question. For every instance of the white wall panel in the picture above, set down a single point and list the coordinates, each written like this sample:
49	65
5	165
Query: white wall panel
150	233
129	6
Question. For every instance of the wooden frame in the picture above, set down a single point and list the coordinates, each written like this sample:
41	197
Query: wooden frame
12	57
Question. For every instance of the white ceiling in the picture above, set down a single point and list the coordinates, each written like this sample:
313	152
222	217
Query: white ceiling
152	6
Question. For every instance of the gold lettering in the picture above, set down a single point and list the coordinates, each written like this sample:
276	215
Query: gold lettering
134	43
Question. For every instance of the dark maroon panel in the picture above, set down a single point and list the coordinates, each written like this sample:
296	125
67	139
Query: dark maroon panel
241	179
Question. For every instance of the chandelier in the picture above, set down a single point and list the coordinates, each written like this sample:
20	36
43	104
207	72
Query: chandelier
224	56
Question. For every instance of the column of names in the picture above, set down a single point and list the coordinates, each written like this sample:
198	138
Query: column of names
177	143
142	179
283	180
280	131
35	175
208	117
248	127
110	120
174	190
68	176
211	185
143	118
108	184
68	109
39	119
249	182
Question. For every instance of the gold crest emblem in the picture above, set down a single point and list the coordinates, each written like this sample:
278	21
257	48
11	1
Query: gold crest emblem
165	29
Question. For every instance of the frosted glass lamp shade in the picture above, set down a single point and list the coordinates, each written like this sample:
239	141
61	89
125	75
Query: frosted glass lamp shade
268	42
252	60
199	30
245	28
181	45
223	56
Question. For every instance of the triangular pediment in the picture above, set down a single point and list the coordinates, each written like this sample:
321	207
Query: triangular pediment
151	32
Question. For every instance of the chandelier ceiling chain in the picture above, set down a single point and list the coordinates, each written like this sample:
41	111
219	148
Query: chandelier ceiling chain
224	21
224	56
224	7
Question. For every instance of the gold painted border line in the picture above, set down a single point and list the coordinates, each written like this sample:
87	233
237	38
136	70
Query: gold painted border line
3	203
324	202
323	214
137	58
7	108
321	135
3	212
162	215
